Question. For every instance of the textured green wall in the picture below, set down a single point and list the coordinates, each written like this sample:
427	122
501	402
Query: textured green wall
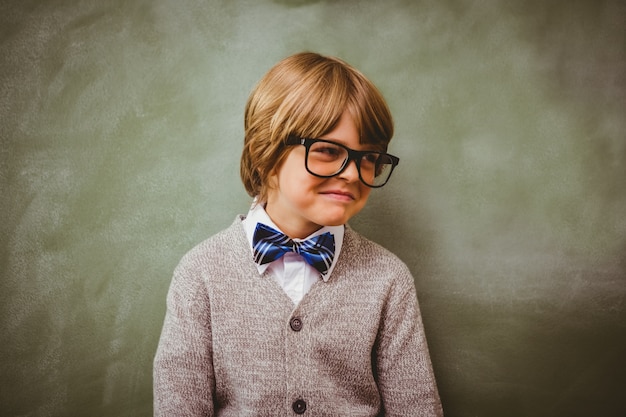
121	129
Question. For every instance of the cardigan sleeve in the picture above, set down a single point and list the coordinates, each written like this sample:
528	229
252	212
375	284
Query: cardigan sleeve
183	370
405	375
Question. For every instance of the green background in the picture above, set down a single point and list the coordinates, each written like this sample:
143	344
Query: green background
121	130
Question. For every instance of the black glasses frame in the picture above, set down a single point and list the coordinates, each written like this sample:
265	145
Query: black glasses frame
353	155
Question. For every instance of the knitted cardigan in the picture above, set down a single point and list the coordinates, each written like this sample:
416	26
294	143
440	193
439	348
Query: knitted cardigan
234	344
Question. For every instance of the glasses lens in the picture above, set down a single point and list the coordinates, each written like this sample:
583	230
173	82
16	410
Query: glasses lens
325	158
376	168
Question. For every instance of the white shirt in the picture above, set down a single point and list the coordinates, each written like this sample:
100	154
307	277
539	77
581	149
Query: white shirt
291	271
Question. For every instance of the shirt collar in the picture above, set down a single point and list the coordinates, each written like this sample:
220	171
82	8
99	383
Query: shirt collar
257	214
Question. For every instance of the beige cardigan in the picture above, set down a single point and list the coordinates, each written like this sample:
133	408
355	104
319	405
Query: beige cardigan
234	344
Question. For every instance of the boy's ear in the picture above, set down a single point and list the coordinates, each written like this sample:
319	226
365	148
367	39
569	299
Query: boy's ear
272	179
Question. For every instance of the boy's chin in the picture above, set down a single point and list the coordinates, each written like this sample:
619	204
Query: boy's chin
340	221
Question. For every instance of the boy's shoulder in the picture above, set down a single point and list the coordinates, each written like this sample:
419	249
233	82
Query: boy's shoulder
372	265
359	249
227	242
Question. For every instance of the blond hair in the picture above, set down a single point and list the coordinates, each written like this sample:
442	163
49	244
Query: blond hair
304	95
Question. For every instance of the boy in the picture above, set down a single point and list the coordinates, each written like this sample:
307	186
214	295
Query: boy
289	311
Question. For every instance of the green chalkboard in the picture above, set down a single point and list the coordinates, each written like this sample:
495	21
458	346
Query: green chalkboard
121	128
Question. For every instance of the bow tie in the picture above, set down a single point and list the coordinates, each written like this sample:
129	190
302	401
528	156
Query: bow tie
270	244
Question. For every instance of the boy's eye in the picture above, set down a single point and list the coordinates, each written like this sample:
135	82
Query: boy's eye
369	161
371	158
327	151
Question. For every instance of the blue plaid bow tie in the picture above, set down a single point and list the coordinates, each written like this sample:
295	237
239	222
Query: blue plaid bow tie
270	244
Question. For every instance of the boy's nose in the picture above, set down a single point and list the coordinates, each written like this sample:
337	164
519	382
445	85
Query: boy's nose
351	172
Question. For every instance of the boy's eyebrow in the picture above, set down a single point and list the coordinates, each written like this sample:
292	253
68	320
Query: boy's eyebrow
365	147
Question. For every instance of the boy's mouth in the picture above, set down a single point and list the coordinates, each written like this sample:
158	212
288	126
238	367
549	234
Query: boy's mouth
339	195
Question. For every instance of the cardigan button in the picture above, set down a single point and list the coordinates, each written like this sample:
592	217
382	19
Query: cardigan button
299	406
295	324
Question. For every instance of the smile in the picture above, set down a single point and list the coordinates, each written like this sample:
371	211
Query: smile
339	195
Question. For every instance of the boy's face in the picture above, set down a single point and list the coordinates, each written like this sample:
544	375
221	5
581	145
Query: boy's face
300	203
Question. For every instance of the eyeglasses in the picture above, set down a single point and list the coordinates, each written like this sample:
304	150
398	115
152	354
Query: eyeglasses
325	159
